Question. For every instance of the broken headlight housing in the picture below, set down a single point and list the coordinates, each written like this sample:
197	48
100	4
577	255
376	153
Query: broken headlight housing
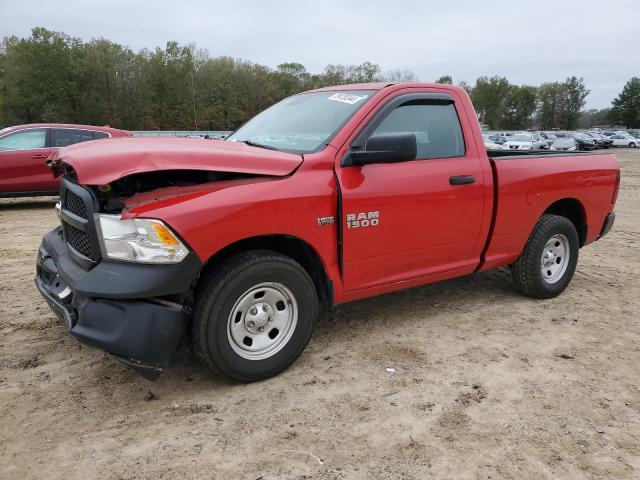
142	240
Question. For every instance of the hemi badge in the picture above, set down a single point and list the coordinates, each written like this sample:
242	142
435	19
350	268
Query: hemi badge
326	221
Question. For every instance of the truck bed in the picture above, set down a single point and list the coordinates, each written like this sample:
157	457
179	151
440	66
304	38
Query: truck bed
529	183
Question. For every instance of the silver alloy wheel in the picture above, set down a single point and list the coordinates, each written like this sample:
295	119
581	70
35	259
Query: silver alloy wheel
555	258
262	321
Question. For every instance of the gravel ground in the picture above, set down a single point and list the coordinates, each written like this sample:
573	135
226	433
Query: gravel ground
486	383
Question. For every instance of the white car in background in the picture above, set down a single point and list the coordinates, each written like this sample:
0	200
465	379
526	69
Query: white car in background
620	140
490	144
525	141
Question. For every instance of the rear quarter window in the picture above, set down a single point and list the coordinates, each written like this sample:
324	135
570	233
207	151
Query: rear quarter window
62	137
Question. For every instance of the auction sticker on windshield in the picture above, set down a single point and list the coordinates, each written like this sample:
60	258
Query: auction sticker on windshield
346	98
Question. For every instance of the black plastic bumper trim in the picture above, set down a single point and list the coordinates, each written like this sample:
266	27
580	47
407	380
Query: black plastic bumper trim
608	224
112	306
120	280
67	315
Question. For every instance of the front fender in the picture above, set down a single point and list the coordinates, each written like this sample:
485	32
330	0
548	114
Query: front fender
213	219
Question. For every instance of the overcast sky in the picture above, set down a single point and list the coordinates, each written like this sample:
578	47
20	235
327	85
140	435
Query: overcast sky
529	42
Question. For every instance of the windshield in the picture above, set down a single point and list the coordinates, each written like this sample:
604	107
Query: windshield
520	138
302	123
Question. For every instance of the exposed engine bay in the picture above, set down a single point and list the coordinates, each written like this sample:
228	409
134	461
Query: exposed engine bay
118	195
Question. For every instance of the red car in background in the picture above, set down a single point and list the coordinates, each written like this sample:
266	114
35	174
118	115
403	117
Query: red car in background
24	150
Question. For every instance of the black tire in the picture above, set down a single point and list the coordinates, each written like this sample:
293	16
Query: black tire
632	145
219	292
526	271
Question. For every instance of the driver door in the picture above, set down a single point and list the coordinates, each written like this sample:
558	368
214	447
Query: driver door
414	218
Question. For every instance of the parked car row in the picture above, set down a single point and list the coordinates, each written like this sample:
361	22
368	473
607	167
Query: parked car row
557	140
624	139
515	141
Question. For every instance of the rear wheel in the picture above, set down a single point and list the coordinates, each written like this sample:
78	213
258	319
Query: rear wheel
549	259
254	316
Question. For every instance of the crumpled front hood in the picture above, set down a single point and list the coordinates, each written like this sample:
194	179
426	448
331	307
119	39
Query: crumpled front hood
104	161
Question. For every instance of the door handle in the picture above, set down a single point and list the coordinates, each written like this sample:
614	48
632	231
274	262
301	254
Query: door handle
39	155
462	180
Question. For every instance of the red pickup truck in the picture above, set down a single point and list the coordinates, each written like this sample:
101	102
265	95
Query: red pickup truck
329	196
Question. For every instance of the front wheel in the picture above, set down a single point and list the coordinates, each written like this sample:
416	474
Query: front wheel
549	259
632	145
254	315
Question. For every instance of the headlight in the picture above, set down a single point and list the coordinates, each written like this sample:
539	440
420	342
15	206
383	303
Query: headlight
141	240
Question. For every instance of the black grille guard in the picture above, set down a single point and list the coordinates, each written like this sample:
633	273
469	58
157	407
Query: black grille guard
77	205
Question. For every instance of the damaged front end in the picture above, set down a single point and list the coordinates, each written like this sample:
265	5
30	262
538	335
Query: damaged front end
140	189
118	280
122	281
136	311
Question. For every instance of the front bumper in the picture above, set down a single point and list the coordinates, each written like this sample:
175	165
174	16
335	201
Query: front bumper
132	311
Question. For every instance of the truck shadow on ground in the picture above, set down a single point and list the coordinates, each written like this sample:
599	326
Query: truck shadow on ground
457	294
414	305
27	203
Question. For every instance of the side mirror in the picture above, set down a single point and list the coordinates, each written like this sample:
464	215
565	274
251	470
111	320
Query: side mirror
384	148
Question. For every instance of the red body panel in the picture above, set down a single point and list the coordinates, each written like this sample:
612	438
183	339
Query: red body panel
427	226
26	171
428	230
214	218
527	187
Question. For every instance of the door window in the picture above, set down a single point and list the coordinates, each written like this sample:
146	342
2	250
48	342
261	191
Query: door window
24	139
97	135
63	137
435	125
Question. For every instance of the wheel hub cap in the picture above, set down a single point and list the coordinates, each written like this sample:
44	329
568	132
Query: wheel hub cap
555	258
257	318
262	321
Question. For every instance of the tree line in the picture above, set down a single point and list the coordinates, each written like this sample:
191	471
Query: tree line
502	105
52	77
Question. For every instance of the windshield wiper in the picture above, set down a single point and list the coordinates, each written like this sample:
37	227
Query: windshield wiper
259	145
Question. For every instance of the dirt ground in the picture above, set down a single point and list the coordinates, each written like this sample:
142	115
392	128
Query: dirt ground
487	383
